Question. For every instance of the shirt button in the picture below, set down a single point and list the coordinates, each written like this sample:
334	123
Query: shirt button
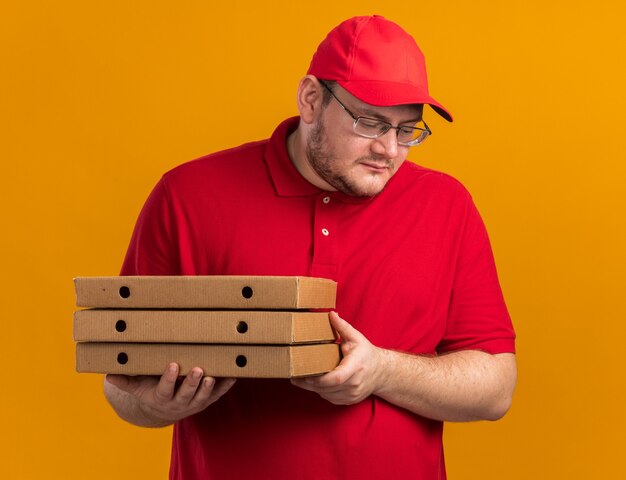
326	200
325	232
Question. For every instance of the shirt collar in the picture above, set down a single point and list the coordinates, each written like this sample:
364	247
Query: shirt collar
287	180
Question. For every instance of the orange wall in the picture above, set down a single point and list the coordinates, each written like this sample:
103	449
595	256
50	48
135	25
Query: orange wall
98	99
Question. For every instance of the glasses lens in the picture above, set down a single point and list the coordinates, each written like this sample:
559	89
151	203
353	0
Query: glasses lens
407	135
412	136
370	127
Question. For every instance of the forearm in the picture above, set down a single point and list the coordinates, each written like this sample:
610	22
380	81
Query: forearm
460	386
129	408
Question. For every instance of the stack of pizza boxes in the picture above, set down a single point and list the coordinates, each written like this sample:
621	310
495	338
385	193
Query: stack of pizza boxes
230	326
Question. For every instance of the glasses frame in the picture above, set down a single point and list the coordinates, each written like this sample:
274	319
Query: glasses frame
387	126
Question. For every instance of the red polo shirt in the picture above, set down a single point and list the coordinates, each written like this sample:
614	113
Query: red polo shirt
415	273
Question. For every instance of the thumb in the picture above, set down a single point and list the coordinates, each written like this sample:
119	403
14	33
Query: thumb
346	332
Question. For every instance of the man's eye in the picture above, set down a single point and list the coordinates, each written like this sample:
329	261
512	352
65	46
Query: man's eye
370	124
406	131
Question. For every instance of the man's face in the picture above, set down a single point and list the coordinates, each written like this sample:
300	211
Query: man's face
352	164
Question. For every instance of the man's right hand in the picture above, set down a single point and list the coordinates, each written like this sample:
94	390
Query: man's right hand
151	401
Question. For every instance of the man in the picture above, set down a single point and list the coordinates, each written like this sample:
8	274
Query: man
425	333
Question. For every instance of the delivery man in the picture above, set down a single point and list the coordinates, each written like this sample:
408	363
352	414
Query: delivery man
424	329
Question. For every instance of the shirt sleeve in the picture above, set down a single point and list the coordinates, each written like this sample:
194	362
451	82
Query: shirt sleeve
153	246
477	316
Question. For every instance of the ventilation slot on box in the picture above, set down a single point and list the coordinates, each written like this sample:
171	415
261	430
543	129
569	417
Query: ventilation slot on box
122	358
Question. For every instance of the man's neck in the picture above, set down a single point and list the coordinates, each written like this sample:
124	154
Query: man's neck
297	154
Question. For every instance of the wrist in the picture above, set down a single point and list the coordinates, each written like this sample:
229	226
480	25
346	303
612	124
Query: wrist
384	371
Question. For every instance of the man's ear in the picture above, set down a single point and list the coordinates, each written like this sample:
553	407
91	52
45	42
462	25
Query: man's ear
309	99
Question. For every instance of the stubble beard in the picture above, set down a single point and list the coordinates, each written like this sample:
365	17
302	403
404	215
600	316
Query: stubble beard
324	162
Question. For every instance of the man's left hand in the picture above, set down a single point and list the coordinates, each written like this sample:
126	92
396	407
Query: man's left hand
358	374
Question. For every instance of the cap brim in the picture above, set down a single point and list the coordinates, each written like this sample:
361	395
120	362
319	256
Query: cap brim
388	94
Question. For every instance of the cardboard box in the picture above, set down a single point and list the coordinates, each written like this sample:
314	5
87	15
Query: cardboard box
202	326
240	292
215	360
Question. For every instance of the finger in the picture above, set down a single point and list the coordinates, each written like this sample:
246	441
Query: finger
343	373
342	398
167	384
210	391
336	378
346	332
189	387
338	395
306	384
203	394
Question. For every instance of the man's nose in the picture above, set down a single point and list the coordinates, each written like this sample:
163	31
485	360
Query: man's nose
387	144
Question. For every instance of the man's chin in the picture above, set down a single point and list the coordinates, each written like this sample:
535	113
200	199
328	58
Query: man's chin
363	188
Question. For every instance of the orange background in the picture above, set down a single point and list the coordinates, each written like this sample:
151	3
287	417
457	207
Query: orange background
98	99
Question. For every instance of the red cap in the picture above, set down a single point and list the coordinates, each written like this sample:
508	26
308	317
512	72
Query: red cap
377	62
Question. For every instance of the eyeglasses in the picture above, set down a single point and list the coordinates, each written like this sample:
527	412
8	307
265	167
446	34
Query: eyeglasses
373	128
